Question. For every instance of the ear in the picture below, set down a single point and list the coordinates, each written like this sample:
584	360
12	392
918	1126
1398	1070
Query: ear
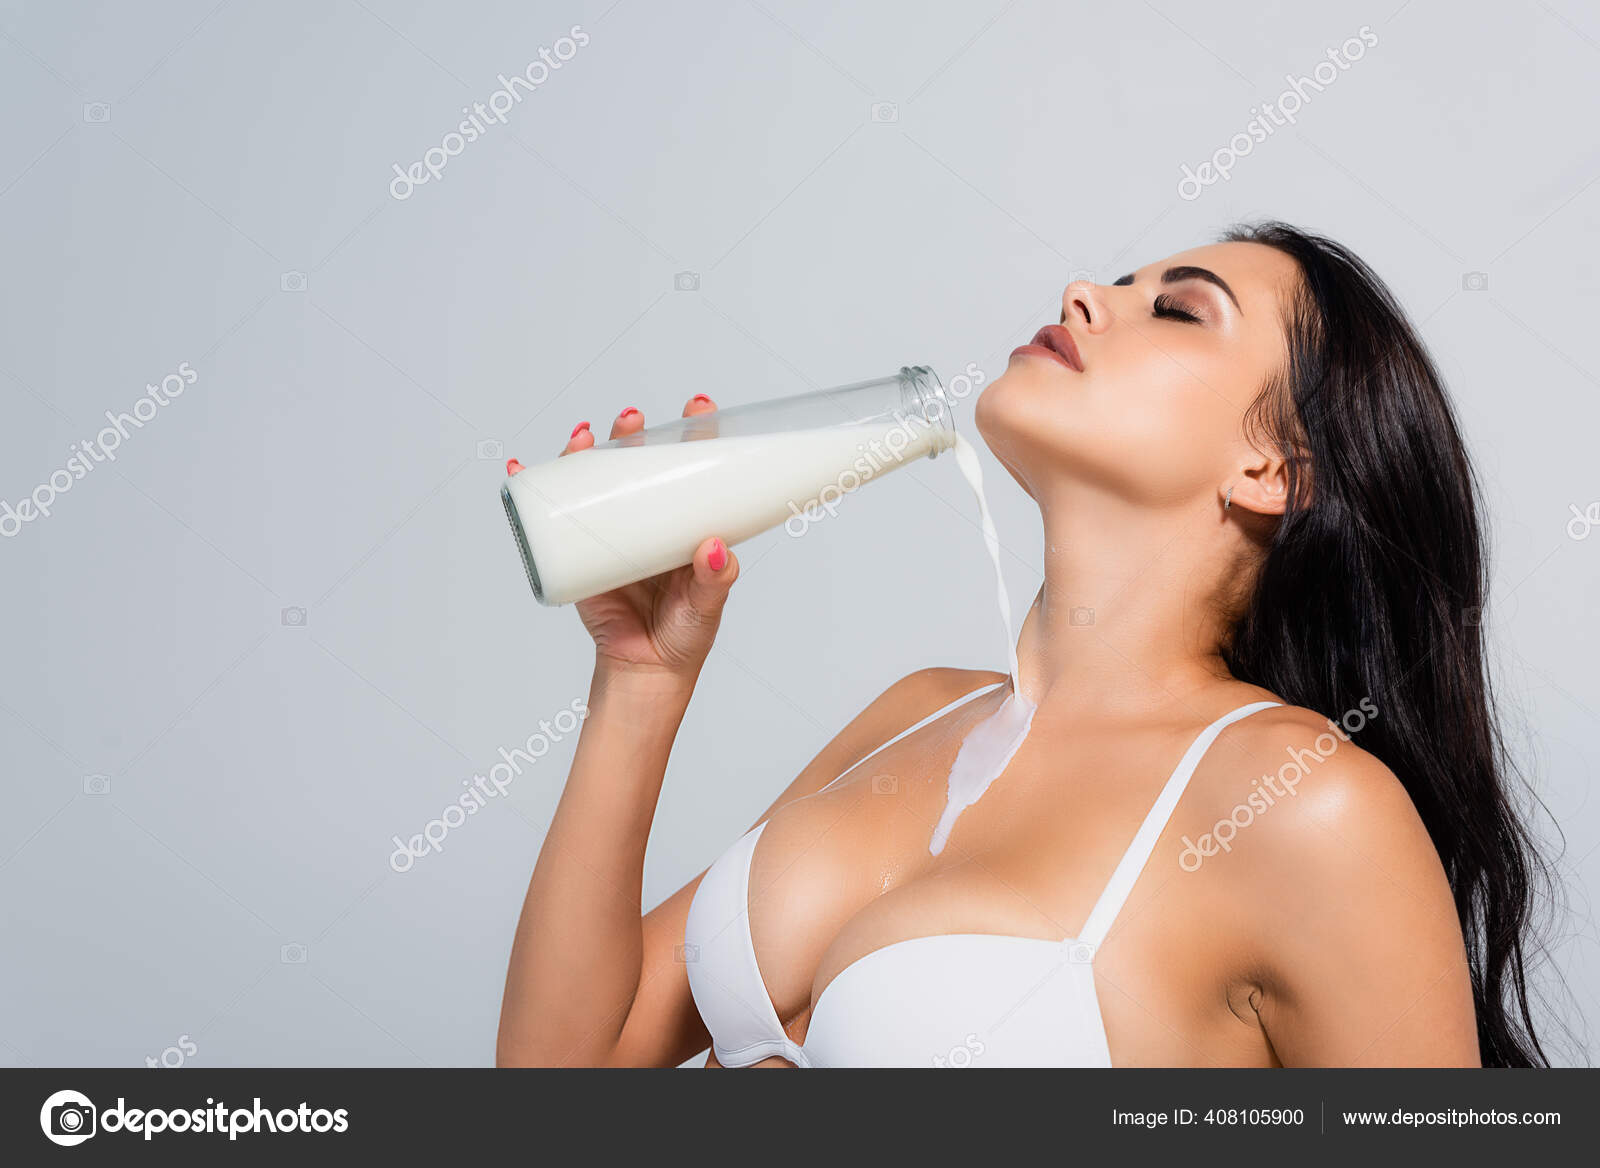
1261	485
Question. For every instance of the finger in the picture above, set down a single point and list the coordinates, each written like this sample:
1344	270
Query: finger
698	404
581	438
629	421
715	570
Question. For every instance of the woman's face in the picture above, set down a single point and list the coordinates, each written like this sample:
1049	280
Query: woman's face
1142	387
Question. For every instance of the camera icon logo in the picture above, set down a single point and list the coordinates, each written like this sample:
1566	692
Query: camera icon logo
686	282
292	954
67	1118
1081	616
884	112
97	784
1475	281
292	282
96	111
294	617
491	449
1080	953
685	954
885	784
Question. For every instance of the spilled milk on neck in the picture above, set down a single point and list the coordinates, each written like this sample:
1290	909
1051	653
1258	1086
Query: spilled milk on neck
989	747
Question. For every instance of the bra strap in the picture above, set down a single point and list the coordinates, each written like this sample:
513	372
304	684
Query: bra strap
939	713
1116	891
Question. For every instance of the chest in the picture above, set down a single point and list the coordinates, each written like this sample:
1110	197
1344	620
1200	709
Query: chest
844	879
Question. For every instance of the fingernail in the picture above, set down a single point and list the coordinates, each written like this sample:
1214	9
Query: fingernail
512	466
700	397
626	412
579	428
717	558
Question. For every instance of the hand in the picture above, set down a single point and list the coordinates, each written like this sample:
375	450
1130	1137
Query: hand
664	624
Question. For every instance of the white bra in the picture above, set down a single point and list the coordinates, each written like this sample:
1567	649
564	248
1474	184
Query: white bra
957	999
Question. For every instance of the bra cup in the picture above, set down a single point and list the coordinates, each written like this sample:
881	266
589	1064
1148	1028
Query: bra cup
959	1001
721	962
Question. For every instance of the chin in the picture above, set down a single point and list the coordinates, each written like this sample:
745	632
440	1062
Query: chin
983	410
1004	407
1002	417
1022	421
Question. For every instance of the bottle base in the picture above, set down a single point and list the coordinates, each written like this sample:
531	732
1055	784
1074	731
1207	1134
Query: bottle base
522	544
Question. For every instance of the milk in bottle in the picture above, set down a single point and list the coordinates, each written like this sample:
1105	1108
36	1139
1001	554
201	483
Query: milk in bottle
640	505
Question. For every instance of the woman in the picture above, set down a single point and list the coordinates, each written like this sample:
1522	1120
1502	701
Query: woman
1263	564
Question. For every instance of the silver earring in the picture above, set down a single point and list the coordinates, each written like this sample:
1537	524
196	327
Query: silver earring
1227	500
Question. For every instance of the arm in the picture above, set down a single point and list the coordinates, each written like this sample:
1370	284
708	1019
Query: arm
577	961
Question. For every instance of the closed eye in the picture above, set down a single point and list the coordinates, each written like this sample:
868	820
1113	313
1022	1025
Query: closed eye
1167	308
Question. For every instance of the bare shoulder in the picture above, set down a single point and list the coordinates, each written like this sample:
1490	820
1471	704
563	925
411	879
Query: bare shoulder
943	683
1328	796
900	706
907	702
1351	923
912	698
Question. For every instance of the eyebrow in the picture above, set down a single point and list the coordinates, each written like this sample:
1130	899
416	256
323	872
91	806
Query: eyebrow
1188	272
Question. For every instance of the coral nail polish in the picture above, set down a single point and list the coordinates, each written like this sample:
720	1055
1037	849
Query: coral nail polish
512	466
717	558
700	397
625	413
579	428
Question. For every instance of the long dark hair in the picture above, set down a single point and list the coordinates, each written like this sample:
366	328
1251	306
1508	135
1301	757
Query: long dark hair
1373	587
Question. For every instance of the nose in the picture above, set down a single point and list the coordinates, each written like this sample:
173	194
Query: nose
1081	304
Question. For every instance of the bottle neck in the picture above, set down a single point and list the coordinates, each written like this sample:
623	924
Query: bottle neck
927	403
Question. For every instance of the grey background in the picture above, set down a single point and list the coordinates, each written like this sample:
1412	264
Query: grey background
328	456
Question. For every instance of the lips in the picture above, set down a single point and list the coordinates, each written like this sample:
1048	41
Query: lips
1056	343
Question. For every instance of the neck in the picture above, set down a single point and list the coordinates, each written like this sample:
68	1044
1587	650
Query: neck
1127	619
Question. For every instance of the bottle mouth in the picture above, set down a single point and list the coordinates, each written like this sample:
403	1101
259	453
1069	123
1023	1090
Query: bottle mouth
928	400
